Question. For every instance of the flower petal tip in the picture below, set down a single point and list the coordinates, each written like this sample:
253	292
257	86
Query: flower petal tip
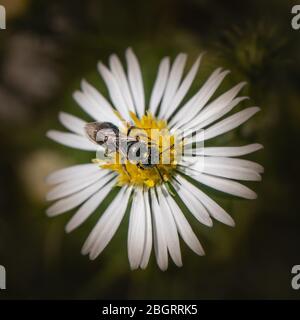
133	267
231	223
84	251
252	196
61	114
68	228
83	83
100	66
49	212
201	252
93	256
49	134
163	268
209	223
48	197
257	109
143	266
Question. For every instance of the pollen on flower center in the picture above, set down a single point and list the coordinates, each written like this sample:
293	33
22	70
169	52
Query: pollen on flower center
154	135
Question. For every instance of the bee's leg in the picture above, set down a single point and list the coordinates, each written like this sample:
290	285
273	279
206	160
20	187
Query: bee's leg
125	169
140	166
171	147
106	153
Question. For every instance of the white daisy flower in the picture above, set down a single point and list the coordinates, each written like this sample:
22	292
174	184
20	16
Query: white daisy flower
151	193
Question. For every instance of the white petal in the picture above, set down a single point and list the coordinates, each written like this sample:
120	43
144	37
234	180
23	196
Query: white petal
190	109
74	185
173	83
229	172
74	172
85	101
72	123
107	225
230	123
227	186
114	91
184	228
135	81
232	162
89	206
99	102
183	89
160	84
136	230
214	209
120	76
160	243
228	151
232	173
232	168
170	229
194	205
220	114
195	124
108	216
74	200
72	140
220	103
148	233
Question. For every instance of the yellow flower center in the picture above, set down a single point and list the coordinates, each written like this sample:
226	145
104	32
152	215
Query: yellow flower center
153	133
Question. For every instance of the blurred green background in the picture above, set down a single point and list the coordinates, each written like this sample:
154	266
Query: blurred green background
49	46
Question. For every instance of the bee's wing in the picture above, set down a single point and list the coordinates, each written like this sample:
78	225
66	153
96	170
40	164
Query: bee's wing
91	130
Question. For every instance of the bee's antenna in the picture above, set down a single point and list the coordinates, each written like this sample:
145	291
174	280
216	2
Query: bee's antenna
126	171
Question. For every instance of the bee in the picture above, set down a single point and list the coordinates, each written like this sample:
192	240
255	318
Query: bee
144	154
